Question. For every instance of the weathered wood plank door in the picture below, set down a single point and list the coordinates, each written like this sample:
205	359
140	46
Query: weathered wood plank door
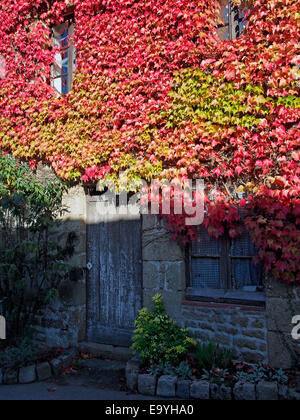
114	283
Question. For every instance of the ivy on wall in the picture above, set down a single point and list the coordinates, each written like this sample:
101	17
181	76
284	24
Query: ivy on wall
157	94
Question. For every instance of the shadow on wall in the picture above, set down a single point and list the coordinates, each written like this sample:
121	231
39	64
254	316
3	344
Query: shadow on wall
123	262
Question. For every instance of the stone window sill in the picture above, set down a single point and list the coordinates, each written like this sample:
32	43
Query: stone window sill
230	297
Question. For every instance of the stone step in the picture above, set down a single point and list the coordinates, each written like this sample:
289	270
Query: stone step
98	367
113	352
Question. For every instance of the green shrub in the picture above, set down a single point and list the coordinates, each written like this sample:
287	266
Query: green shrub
158	338
33	264
211	356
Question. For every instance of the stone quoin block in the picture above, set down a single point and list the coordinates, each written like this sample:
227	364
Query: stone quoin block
220	392
293	395
283	392
67	358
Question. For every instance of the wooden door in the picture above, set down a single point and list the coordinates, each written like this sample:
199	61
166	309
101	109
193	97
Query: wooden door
114	275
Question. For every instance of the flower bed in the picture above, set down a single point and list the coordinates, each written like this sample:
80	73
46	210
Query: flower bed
172	363
44	367
218	386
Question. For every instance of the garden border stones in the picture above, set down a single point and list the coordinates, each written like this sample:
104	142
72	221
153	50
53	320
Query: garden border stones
200	390
183	389
147	385
172	387
244	391
37	372
166	386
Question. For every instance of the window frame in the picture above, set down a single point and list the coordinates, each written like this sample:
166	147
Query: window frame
234	21
226	294
69	18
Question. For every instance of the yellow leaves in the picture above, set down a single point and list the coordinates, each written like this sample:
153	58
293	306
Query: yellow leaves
270	181
261	99
261	220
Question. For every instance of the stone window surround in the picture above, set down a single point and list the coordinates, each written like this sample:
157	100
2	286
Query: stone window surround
213	305
226	298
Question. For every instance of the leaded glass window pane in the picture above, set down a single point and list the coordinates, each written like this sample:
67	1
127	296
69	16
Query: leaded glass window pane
206	273
231	257
245	273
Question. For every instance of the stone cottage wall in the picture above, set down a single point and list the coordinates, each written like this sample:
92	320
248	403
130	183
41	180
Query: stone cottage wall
283	303
242	329
254	334
63	324
163	266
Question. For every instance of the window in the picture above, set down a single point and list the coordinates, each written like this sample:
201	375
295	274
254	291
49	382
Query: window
64	66
232	18
224	266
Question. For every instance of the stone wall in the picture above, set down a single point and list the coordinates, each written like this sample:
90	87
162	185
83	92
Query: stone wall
63	324
254	334
241	329
283	303
163	266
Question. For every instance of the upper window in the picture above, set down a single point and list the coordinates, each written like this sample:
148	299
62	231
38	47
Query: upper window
233	22
64	66
224	263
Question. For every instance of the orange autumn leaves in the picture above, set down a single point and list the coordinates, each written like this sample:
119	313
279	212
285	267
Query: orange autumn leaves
157	94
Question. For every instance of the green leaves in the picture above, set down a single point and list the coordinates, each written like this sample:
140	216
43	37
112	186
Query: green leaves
158	338
202	98
24	197
31	266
